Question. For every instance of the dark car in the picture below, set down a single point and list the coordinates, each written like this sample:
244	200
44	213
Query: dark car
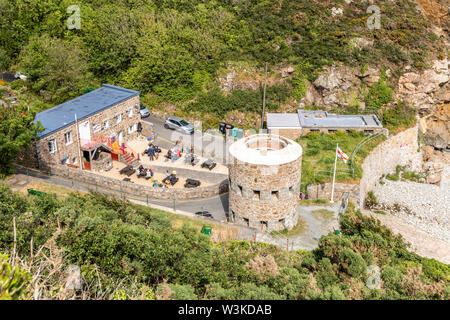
204	214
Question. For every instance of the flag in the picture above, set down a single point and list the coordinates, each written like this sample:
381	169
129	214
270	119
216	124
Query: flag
342	155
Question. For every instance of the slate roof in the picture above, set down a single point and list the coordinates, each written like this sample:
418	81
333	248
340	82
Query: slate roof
321	119
63	115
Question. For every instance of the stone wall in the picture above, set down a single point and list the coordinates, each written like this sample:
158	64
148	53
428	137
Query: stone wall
293	134
102	162
70	150
262	194
401	149
323	191
137	190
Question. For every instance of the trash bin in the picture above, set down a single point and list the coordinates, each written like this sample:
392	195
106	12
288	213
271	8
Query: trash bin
239	133
222	127
233	132
228	128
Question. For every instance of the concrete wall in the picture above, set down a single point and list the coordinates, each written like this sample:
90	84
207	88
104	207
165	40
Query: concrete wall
401	149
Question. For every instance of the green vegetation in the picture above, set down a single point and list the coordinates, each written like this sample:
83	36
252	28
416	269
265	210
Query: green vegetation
17	130
399	117
319	154
323	214
379	93
13	280
402	173
300	228
172	50
315	202
128	251
371	200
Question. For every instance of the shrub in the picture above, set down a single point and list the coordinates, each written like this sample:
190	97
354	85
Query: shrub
371	200
13	280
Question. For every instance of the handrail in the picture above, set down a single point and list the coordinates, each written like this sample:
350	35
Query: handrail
360	144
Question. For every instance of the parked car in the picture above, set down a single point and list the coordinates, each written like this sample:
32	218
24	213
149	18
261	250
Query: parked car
179	124
144	111
204	214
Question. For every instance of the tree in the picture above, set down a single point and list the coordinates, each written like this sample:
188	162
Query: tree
56	69
17	131
13	280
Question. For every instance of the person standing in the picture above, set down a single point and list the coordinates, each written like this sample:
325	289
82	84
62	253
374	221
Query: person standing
139	128
151	153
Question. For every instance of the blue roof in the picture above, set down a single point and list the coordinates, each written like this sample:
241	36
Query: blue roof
63	115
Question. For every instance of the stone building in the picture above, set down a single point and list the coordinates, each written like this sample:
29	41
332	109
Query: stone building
295	125
76	131
264	178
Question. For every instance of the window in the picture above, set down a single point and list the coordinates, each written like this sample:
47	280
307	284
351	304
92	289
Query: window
275	195
130	113
106	124
132	128
68	137
74	160
256	194
52	146
118	118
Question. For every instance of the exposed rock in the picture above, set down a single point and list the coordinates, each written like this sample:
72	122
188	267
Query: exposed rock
435	128
336	11
433	178
423	90
286	72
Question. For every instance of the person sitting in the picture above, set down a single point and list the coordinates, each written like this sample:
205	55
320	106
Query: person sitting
168	156
149	174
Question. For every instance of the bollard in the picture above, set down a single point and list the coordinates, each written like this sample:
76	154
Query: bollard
147	199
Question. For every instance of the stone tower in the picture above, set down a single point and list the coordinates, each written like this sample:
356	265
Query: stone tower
264	176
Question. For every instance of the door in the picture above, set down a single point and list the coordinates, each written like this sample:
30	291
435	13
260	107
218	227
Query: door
85	131
120	137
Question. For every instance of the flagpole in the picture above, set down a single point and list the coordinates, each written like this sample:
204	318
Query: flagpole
334	174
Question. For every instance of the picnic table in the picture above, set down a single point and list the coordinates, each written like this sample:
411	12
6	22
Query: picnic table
128	170
191	183
210	164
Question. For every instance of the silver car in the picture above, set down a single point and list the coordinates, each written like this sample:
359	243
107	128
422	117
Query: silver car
144	111
179	124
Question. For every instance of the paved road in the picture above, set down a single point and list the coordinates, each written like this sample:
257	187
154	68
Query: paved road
166	138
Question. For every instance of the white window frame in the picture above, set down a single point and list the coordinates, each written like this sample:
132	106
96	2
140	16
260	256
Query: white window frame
118	118
53	143
132	128
69	133
106	124
130	113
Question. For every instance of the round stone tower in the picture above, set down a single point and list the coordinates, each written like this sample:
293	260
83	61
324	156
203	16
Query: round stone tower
264	177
